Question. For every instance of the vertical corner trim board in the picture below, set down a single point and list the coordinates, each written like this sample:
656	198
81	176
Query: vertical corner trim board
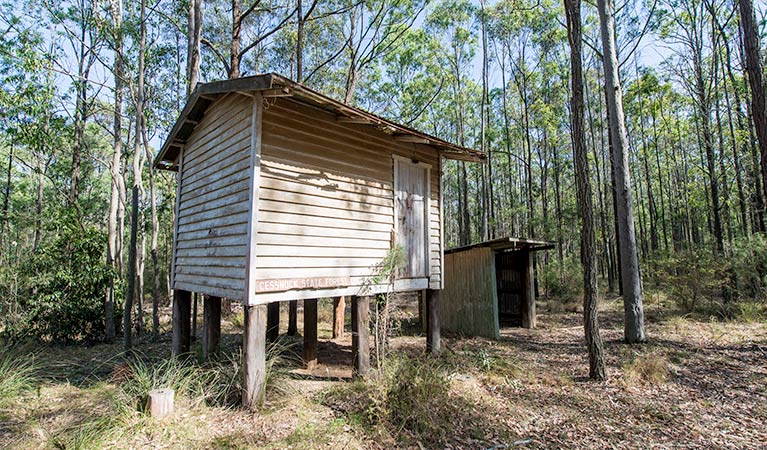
175	225
255	183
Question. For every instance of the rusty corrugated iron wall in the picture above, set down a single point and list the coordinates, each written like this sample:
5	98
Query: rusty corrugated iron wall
469	303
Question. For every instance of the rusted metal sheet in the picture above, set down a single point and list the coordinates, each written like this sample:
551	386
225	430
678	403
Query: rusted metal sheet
469	302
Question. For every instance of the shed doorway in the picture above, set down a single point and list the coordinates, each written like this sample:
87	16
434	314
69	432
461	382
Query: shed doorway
509	271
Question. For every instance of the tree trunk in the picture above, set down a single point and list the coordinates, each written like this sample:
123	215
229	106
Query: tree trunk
632	290
299	41
154	251
81	111
597	367
234	47
133	263
6	202
194	37
115	171
751	49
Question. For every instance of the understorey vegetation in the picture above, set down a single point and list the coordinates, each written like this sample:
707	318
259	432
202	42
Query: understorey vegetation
529	390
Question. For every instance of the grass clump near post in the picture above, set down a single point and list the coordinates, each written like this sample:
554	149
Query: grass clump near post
409	402
215	383
17	375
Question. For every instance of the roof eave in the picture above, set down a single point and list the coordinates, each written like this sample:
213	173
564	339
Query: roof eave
205	94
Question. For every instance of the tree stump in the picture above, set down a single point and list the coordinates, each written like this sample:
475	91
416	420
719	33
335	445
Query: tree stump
160	403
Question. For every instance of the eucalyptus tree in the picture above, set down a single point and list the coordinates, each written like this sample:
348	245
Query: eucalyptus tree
243	33
597	366
633	321
753	59
75	22
28	123
375	28
687	28
117	191
454	21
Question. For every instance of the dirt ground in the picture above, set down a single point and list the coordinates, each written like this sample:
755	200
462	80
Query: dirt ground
697	383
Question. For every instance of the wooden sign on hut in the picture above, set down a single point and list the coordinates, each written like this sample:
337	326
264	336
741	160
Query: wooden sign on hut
286	194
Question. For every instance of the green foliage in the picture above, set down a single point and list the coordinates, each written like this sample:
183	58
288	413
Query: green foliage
215	383
749	268
200	385
691	276
63	288
16	375
562	281
411	397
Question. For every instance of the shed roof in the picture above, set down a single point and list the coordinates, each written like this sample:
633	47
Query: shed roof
508	243
274	85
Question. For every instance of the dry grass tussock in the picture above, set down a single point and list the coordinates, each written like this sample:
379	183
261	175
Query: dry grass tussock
646	367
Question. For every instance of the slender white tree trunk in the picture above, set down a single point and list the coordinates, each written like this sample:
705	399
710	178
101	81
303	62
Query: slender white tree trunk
632	291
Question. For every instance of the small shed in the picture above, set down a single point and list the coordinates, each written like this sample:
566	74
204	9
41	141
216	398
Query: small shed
490	285
285	194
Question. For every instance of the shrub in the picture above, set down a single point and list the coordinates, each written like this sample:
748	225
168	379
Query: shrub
65	283
562	281
748	267
409	400
217	382
691	276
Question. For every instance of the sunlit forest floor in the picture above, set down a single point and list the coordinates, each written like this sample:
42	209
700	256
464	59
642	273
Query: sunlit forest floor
699	382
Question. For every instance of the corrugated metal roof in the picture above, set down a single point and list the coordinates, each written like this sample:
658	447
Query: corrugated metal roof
508	243
274	85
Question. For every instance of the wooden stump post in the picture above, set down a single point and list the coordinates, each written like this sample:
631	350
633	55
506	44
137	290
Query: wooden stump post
273	321
182	306
195	298
292	317
160	403
253	356
310	333
422	319
528	292
211	326
360	336
339	307
432	323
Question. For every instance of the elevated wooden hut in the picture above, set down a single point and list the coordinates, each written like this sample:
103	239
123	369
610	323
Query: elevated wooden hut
490	285
286	194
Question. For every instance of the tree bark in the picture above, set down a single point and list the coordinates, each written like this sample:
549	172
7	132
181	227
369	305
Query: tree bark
751	49
133	263
115	171
632	290
234	47
194	37
597	367
6	201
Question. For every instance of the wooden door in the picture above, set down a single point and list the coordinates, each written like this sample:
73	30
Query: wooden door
411	195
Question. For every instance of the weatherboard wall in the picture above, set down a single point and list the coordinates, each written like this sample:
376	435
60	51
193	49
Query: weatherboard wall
281	192
326	203
211	239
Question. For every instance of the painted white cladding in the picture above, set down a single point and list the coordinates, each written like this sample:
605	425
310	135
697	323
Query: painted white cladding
286	195
210	252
